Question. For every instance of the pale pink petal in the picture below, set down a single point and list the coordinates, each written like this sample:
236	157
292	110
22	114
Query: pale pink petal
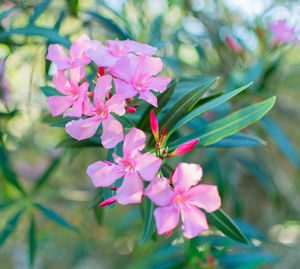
112	132
160	192
193	221
99	53
125	88
123	68
102	88
166	218
148	97
185	176
159	84
59	104
204	196
150	65
77	73
134	142
104	175
131	190
116	104
82	128
61	82
117	159
57	55
77	48
147	165
135	46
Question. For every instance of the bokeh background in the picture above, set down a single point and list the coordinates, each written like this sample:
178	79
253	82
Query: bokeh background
259	185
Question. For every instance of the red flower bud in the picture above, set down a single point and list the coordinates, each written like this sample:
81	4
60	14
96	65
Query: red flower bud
154	126
184	148
131	109
109	201
101	71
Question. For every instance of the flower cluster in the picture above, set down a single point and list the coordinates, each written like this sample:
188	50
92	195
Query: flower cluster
127	69
282	33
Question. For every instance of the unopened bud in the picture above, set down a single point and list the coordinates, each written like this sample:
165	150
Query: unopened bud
154	126
131	109
101	71
184	148
109	201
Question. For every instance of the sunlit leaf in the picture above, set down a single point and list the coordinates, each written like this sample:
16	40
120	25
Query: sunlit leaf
239	140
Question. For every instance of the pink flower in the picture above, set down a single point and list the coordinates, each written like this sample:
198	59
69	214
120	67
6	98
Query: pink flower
135	75
132	167
183	200
74	96
282	33
234	45
108	55
78	58
100	113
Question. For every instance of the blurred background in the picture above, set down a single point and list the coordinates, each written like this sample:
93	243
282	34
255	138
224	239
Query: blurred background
197	40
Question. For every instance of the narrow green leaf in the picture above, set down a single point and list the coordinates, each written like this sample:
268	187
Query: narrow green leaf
97	199
50	91
183	106
38	10
3	206
73	143
8	115
213	103
32	242
239	140
226	225
10	226
228	125
55	217
149	223
127	123
32	30
6	13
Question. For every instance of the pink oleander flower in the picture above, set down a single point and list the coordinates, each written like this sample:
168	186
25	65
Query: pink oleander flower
234	45
133	166
107	56
135	76
76	62
282	33
184	199
98	113
74	96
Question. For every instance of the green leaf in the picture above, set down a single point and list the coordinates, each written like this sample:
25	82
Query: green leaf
213	103
8	115
238	140
7	170
127	123
32	30
184	105
73	143
149	223
63	122
50	91
226	225
162	100
228	125
55	217
6	13
97	199
38	10
32	242
3	206
10	226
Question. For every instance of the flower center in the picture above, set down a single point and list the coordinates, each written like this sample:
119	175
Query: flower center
179	199
101	112
127	165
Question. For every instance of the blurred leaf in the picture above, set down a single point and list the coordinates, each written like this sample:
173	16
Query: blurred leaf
97	199
149	223
162	100
38	10
6	204
70	142
10	226
238	140
63	122
32	242
8	115
213	103
251	265
277	134
228	125
7	171
226	225
50	91
6	13
43	179
55	217
32	30
73	6
110	25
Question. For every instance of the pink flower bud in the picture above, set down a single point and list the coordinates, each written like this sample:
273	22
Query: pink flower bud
163	136
109	201
101	71
131	110
154	126
184	148
234	45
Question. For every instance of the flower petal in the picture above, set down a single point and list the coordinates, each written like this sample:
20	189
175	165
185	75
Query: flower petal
102	174
204	196
166	218
77	48
160	192
82	128
59	104
57	55
150	65
135	46
61	82
112	132
185	176
148	97
125	88
125	68
131	190
116	104
134	142
147	165
102	88
193	221
159	84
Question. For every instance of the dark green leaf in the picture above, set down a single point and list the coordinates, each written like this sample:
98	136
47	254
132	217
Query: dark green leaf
50	91
124	121
238	140
38	10
6	13
228	125
55	217
10	226
149	223
32	242
73	143
97	199
8	115
226	225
